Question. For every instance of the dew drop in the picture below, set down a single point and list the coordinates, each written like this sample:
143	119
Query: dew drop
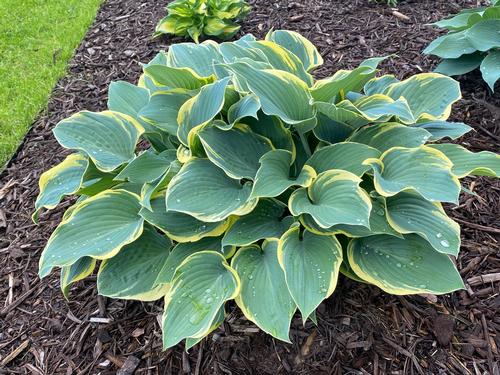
439	235
445	243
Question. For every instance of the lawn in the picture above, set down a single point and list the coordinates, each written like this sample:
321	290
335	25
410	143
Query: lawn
37	38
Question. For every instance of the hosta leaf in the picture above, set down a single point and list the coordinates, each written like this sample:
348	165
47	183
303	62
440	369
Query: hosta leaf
147	167
282	59
403	266
264	296
182	250
387	135
400	169
145	81
108	138
178	226
343	81
272	128
273	176
247	106
237	151
204	191
232	52
490	68
460	65
429	95
131	274
348	116
175	78
348	156
218	320
265	221
201	286
63	179
174	24
451	46
127	98
231	97
311	267
298	45
331	131
200	109
224	29
333	198
454	23
410	213
281	93
97	186
163	109
378	85
79	270
443	129
199	57
151	189
378	106
99	227
466	163
484	35
378	224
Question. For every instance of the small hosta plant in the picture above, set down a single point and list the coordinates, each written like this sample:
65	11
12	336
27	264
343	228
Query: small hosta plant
261	184
195	18
472	41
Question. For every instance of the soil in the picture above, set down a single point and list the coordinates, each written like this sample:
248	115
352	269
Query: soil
361	330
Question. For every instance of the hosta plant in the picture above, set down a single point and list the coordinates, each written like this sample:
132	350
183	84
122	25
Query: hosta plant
256	182
203	17
472	41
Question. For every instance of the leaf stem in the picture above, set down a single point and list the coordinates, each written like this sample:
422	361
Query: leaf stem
305	144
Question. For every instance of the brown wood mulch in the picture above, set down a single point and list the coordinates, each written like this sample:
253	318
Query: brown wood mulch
361	330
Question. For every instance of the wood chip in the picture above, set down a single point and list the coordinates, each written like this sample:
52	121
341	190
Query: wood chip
96	319
484	279
400	16
15	353
129	366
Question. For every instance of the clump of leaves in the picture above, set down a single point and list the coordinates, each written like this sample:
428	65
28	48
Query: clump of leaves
261	185
473	41
195	18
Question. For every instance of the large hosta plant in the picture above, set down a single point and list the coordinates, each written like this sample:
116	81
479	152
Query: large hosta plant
230	173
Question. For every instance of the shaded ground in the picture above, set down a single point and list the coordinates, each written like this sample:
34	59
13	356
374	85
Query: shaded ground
361	330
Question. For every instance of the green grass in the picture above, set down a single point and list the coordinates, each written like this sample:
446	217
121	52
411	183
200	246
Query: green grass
37	38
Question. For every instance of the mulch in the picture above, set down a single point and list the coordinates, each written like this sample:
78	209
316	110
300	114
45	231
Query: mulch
361	329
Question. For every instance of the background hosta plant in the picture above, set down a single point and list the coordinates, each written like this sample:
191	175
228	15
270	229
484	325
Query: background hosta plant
261	184
473	41
203	17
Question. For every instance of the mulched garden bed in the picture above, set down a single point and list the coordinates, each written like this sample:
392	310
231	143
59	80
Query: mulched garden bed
361	330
